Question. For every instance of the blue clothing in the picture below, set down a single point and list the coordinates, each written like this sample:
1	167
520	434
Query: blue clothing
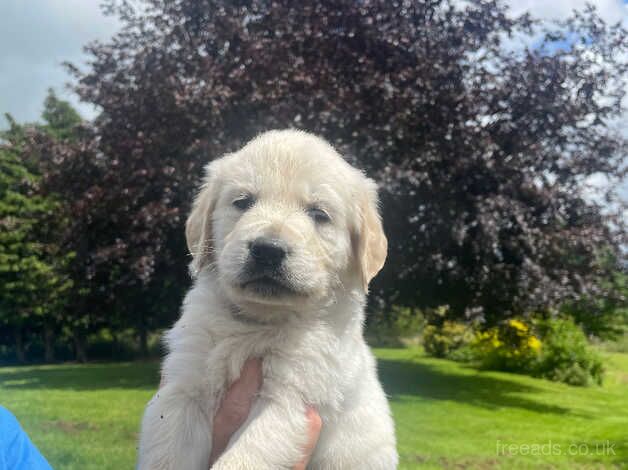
17	452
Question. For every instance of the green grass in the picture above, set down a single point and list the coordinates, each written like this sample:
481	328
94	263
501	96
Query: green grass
447	415
81	417
452	416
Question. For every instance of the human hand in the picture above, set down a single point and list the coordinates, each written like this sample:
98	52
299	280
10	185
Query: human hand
314	425
235	408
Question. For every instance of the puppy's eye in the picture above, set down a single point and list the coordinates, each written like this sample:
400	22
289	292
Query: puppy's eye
244	202
318	215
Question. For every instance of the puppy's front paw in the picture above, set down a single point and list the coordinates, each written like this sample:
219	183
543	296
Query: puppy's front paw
175	433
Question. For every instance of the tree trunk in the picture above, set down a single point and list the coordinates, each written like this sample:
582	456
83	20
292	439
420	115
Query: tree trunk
143	340
49	343
19	344
79	347
115	344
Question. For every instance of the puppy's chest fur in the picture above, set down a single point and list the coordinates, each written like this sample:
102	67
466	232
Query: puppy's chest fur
317	361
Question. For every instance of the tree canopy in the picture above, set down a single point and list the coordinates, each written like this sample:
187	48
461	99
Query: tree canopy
34	281
481	149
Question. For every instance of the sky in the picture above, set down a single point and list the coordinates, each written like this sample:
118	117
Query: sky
37	36
610	10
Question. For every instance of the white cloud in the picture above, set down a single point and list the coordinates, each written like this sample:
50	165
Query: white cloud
610	10
35	38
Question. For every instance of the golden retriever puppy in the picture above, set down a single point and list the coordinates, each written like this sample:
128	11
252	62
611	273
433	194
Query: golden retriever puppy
285	237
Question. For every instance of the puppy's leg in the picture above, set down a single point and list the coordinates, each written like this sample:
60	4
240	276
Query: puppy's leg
175	432
362	437
271	439
356	441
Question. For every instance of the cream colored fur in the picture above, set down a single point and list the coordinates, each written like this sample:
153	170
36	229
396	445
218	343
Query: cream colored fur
311	342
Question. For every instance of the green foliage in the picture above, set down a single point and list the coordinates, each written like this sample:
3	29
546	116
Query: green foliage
450	339
566	356
34	281
61	118
391	327
27	271
122	344
603	317
619	344
555	348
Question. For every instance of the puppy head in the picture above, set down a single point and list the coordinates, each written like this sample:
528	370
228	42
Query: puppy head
286	222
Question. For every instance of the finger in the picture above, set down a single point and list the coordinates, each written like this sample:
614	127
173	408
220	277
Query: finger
240	395
315	425
235	406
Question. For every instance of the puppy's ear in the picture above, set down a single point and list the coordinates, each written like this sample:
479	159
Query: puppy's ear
198	228
371	245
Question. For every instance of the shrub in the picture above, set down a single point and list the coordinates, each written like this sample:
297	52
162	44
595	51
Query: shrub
121	345
511	347
555	349
558	351
394	327
566	356
451	339
619	345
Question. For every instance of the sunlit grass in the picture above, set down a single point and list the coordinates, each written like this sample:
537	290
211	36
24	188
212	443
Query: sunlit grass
447	415
452	416
81	416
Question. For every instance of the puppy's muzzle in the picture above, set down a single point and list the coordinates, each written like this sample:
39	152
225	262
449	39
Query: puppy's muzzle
265	272
268	253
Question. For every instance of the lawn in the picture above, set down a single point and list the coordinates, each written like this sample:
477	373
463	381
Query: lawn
447	415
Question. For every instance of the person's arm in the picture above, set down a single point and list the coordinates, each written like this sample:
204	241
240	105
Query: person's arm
17	452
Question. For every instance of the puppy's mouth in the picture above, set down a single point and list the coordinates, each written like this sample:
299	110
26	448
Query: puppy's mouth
268	286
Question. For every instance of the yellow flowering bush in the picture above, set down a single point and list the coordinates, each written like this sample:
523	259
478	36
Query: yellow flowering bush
511	346
553	348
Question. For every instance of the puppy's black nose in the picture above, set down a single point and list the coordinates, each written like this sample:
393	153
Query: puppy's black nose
268	252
